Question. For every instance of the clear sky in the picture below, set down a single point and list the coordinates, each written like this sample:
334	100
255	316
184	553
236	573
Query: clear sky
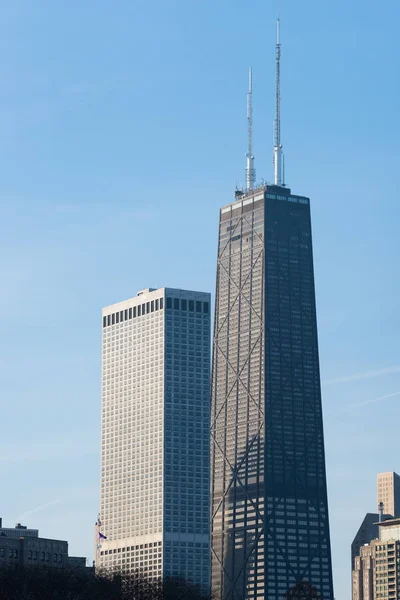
122	132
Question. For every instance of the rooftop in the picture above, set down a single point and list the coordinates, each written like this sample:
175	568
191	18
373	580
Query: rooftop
389	522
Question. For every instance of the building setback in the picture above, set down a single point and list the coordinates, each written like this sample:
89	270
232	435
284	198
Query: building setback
388	495
270	527
376	573
154	505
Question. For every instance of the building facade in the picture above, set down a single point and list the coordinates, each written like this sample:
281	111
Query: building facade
388	492
270	527
388	495
154	505
20	546
367	532
376	573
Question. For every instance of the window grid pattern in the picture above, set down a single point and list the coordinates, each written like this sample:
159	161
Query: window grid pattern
297	526
187	439
155	436
131	499
237	425
270	526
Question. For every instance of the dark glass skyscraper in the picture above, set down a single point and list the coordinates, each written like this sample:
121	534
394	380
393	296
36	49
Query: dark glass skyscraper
270	528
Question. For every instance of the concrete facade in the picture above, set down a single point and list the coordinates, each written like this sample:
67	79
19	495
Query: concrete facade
21	546
388	492
376	573
154	498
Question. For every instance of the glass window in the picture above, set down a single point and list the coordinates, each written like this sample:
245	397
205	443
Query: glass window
176	303
104	321
169	302
113	319
191	305
134	312
130	313
184	304
206	307
139	311
161	303
198	306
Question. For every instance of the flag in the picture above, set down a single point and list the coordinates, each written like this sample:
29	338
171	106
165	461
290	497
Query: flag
101	536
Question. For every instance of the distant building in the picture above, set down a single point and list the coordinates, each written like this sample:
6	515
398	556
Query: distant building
368	531
388	504
20	546
17	531
154	497
376	573
388	492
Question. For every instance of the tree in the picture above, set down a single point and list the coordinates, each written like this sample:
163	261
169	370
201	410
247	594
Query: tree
303	590
40	583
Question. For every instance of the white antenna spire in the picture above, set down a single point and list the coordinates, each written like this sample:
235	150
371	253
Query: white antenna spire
250	170
277	128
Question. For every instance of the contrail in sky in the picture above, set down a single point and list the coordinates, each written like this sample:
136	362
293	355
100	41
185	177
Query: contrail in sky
374	400
365	375
38	509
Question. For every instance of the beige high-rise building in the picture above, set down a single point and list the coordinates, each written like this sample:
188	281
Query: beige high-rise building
376	574
388	492
154	494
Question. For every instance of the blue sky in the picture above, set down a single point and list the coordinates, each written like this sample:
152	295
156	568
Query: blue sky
122	132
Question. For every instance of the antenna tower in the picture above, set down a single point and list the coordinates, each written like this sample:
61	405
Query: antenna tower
250	170
277	127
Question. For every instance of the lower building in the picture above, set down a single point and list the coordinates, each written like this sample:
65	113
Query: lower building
376	573
386	496
20	546
368	531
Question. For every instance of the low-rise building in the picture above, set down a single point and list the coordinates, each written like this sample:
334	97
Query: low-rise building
20	546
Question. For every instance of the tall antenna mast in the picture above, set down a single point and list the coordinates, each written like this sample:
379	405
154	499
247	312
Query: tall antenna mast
250	170
277	128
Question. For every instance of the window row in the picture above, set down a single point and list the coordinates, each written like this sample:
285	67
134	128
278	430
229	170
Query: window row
133	312
188	305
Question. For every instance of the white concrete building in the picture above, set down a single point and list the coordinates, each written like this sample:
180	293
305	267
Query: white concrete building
154	505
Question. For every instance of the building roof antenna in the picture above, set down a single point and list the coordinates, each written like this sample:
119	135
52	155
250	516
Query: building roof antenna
250	170
277	123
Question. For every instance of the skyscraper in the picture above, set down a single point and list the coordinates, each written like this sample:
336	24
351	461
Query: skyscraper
154	500
388	492
270	527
